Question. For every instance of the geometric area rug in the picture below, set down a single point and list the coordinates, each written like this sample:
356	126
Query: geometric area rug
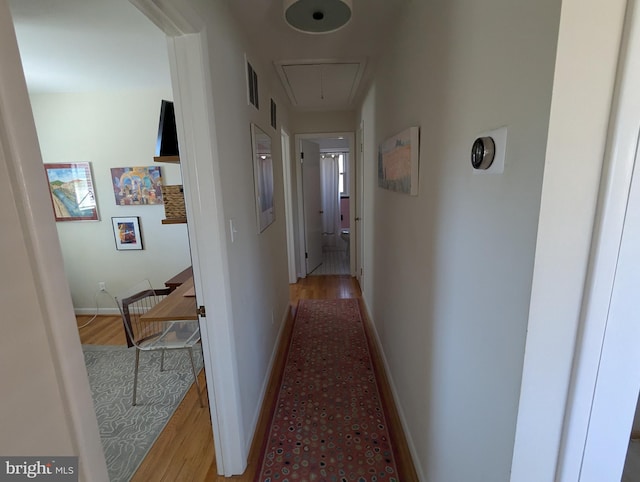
328	422
128	432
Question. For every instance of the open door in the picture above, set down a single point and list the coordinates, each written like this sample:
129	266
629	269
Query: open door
359	206
310	152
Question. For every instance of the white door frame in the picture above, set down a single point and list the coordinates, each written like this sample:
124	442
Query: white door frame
21	153
567	231
350	136
358	215
288	204
601	319
195	122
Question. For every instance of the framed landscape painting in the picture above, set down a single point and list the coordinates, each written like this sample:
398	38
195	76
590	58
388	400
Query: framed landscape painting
72	193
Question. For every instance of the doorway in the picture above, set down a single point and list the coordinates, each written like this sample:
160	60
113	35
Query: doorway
326	208
96	134
288	203
605	380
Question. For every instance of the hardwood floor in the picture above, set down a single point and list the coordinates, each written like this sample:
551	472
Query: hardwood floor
103	330
184	450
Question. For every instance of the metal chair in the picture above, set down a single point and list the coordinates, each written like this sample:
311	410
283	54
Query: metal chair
155	335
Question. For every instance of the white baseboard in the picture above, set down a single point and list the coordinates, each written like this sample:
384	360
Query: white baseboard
396	398
265	384
100	311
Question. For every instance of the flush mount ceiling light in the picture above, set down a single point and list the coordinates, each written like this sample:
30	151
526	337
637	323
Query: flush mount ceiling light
317	16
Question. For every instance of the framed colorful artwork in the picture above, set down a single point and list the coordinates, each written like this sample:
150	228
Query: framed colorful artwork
72	193
398	162
136	186
126	232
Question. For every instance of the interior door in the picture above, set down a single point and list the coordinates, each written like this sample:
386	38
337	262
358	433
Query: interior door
312	204
359	205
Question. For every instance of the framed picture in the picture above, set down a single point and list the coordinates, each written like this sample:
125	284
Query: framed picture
398	162
137	186
126	232
263	177
72	193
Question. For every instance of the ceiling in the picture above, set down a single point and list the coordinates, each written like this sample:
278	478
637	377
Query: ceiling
344	59
89	45
85	45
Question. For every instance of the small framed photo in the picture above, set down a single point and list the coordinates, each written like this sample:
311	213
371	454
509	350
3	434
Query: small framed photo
126	232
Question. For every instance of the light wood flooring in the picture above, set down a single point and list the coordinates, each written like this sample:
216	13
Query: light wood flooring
184	450
335	261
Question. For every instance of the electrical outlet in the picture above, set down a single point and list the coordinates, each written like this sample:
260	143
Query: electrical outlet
102	286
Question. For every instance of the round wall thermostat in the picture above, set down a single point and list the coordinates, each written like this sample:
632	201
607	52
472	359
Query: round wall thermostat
483	153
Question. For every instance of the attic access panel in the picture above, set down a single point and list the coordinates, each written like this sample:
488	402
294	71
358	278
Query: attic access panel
322	84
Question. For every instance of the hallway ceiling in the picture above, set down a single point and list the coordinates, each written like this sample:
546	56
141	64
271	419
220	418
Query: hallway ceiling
343	59
92	45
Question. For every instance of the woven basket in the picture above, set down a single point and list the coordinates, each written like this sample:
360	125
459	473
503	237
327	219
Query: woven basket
174	202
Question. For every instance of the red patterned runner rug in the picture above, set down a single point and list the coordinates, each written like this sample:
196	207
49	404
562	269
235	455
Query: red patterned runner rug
328	423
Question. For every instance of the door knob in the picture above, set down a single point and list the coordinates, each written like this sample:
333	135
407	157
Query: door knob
357	219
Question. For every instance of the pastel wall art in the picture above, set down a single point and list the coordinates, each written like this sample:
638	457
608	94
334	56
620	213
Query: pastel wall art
398	162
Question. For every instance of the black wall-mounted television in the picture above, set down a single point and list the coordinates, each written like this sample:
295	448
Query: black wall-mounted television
167	144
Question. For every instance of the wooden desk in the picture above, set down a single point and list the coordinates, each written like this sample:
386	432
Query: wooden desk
175	307
180	278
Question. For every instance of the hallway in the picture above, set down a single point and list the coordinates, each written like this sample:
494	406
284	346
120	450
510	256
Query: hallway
335	261
185	454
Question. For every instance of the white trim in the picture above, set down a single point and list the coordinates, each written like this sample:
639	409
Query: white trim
350	136
173	18
617	383
301	264
94	311
265	383
19	146
569	199
280	69
396	397
288	203
195	122
617	180
358	212
207	234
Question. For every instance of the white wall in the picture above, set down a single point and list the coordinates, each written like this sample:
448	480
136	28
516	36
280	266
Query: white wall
26	340
447	274
257	262
41	362
110	129
319	122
